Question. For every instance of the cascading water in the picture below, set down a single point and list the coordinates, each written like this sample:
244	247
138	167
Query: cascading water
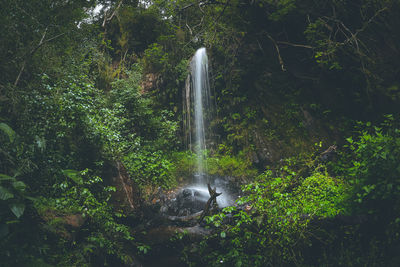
187	205
197	102
198	112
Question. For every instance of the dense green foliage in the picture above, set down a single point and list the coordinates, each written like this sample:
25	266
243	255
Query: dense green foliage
90	99
277	222
68	126
60	132
343	213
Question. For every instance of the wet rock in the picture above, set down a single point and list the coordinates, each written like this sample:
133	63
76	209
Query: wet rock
164	209
184	212
163	234
187	202
186	193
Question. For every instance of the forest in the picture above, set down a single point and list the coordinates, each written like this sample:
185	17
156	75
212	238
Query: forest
300	157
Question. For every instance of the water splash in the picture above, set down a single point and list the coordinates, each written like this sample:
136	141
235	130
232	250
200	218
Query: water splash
224	200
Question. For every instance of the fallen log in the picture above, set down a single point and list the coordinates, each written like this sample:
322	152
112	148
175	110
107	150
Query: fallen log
183	218
213	198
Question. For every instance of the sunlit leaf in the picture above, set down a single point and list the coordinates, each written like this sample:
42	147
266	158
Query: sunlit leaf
17	208
19	185
5	193
8	131
73	175
4	177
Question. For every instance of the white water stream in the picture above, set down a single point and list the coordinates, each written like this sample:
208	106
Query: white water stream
198	109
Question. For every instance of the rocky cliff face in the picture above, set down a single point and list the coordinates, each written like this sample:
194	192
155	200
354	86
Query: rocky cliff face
126	196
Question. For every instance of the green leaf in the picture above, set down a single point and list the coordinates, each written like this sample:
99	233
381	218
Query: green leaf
17	208
223	234
19	185
5	193
259	220
31	198
73	175
4	177
8	131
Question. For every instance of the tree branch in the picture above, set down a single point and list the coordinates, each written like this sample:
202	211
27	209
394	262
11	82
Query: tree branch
33	51
200	4
278	52
213	197
223	10
354	40
45	41
112	15
295	45
370	20
20	73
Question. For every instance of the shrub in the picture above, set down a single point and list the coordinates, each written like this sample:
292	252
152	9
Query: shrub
148	167
276	226
102	240
227	165
372	166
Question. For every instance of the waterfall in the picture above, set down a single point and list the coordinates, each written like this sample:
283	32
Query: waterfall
197	109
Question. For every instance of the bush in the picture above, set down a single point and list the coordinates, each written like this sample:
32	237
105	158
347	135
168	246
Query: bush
275	227
184	165
149	167
233	166
84	194
372	166
69	124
